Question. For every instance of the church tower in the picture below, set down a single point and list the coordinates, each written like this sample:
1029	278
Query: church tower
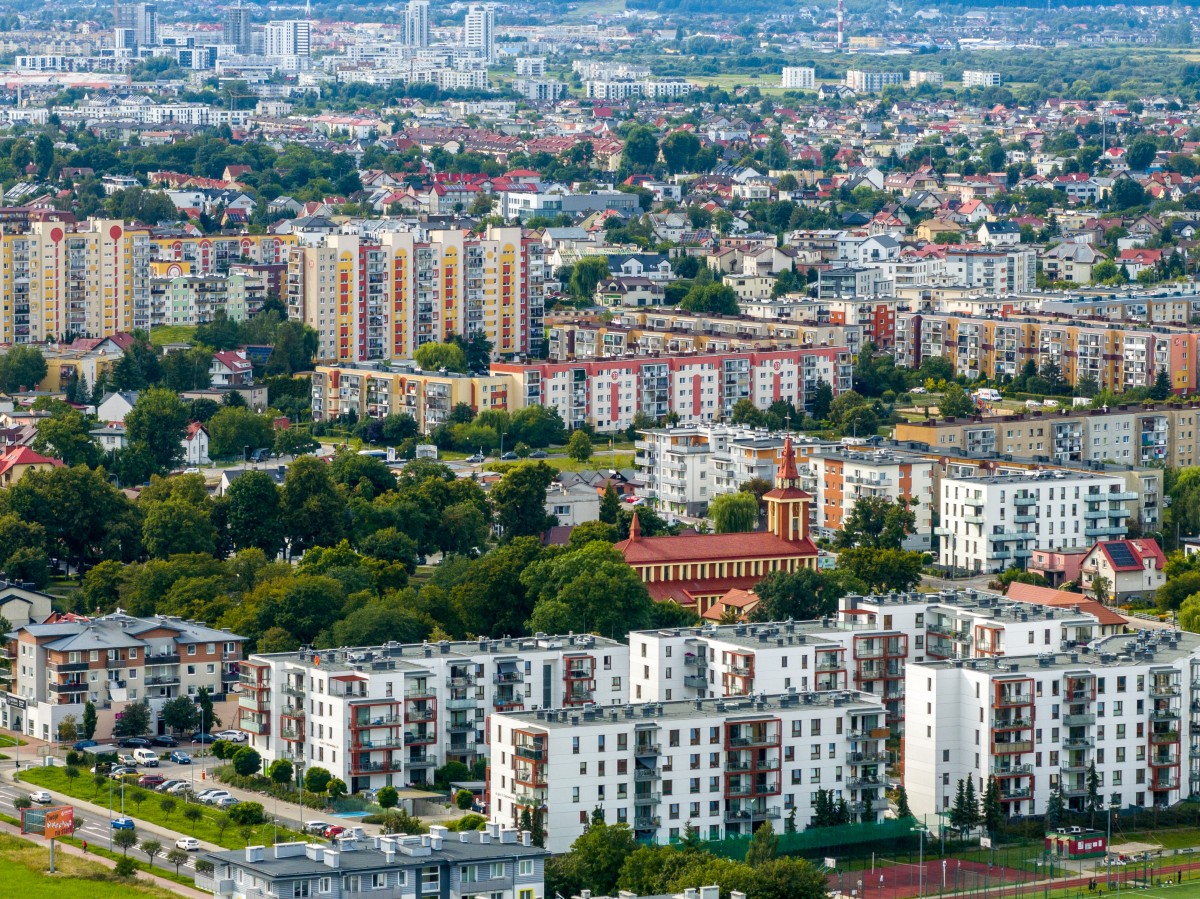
787	504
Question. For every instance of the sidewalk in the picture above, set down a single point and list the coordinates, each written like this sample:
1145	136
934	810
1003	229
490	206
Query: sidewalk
61	847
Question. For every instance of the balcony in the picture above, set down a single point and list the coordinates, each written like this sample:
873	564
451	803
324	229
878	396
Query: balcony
649	822
461	705
646	774
1012	747
1159	738
694	660
742	814
756	740
254	727
462	680
695	681
460	727
1005	700
1081	720
1164	715
419	738
377	721
1078	743
1012	770
508	677
641	748
532	753
420	715
416	693
292	690
1014	795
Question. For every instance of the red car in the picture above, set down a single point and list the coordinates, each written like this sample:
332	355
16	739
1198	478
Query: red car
151	780
333	830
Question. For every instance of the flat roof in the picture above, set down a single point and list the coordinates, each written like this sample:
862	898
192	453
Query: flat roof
1147	648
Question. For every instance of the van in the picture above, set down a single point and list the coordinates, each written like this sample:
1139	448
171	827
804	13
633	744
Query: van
147	757
988	394
1033	404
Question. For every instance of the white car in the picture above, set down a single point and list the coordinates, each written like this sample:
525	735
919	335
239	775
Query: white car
215	796
42	796
916	390
188	844
233	736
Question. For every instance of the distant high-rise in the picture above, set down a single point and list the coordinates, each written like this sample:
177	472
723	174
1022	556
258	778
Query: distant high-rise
288	38
479	33
237	28
416	23
142	20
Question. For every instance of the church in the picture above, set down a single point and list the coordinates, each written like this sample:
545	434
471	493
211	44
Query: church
696	570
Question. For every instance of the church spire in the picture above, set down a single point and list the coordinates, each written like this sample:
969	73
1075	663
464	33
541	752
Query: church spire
635	529
787	475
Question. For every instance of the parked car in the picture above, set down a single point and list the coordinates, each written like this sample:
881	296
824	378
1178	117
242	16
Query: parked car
179	757
167	784
510	456
233	736
151	781
203	795
179	789
122	823
165	740
214	796
188	844
122	771
201	737
127	759
333	830
42	796
476	458
539	454
101	768
315	827
133	743
84	744
260	455
916	390
224	802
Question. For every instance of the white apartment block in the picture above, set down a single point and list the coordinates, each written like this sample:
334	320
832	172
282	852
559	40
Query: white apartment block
1125	704
843	475
389	715
863	82
292	37
976	78
530	66
721	766
991	523
865	648
479	30
799	78
915	78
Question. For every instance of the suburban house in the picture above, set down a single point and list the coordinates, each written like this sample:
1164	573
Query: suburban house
18	461
1132	568
115	406
195	445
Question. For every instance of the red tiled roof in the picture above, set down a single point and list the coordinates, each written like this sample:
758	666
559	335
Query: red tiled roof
712	548
1048	596
23	455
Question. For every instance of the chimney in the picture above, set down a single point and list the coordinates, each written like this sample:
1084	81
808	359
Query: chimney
526	838
333	858
254	853
710	892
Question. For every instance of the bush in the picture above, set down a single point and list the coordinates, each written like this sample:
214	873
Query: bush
398	821
472	821
247	762
126	867
464	799
247	814
223	749
387	797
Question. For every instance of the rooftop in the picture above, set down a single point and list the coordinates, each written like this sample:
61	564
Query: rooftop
1162	647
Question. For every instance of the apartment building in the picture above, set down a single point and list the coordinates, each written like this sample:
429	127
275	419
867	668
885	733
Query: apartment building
383	300
1039	721
739	762
995	271
700	387
799	78
977	78
683	468
374	392
89	279
111	661
984	345
842	475
666	331
184	253
992	523
197	299
1125	434
864	82
492	862
389	715
865	647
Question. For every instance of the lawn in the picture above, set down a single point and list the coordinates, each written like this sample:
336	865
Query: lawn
23	867
591	9
171	334
207	828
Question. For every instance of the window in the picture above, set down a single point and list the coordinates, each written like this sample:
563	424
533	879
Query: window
325	885
430	880
379	880
524	894
300	889
525	867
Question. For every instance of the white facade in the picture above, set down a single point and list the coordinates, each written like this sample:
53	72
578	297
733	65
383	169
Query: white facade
479	31
391	714
1035	721
416	23
573	505
992	523
288	38
802	78
720	766
976	78
871	82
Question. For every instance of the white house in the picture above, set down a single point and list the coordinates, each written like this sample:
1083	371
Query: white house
1133	569
573	505
115	406
195	445
230	368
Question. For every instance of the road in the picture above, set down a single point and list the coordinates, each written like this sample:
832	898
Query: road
978	582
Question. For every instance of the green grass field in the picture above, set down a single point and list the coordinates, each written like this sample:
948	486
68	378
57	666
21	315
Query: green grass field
23	867
590	9
207	828
171	334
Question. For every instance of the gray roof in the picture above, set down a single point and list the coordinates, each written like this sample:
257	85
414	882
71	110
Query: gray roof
119	631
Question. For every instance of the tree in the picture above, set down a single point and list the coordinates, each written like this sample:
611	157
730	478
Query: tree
316	780
587	590
598	854
437	356
902	809
387	797
65	435
803	594
234	430
71	773
734	513
209	719
993	808
151	848
883	570
1140	154
1055	807
610	505
711	299
155	427
125	867
878	522
337	789
1094	802
679	149
22	368
1100	588
194	815
167	806
177	526
956	402
1125	194
177	857
763	845
253	513
281	771
312	509
133	721
464	799
641	148
586	274
822	400
68	729
89	720
519	500
125	840
579	447
364	475
138	796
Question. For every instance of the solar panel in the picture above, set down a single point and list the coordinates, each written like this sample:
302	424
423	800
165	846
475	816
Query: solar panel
1121	554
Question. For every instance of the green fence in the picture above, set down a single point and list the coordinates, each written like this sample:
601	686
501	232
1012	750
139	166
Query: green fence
846	839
